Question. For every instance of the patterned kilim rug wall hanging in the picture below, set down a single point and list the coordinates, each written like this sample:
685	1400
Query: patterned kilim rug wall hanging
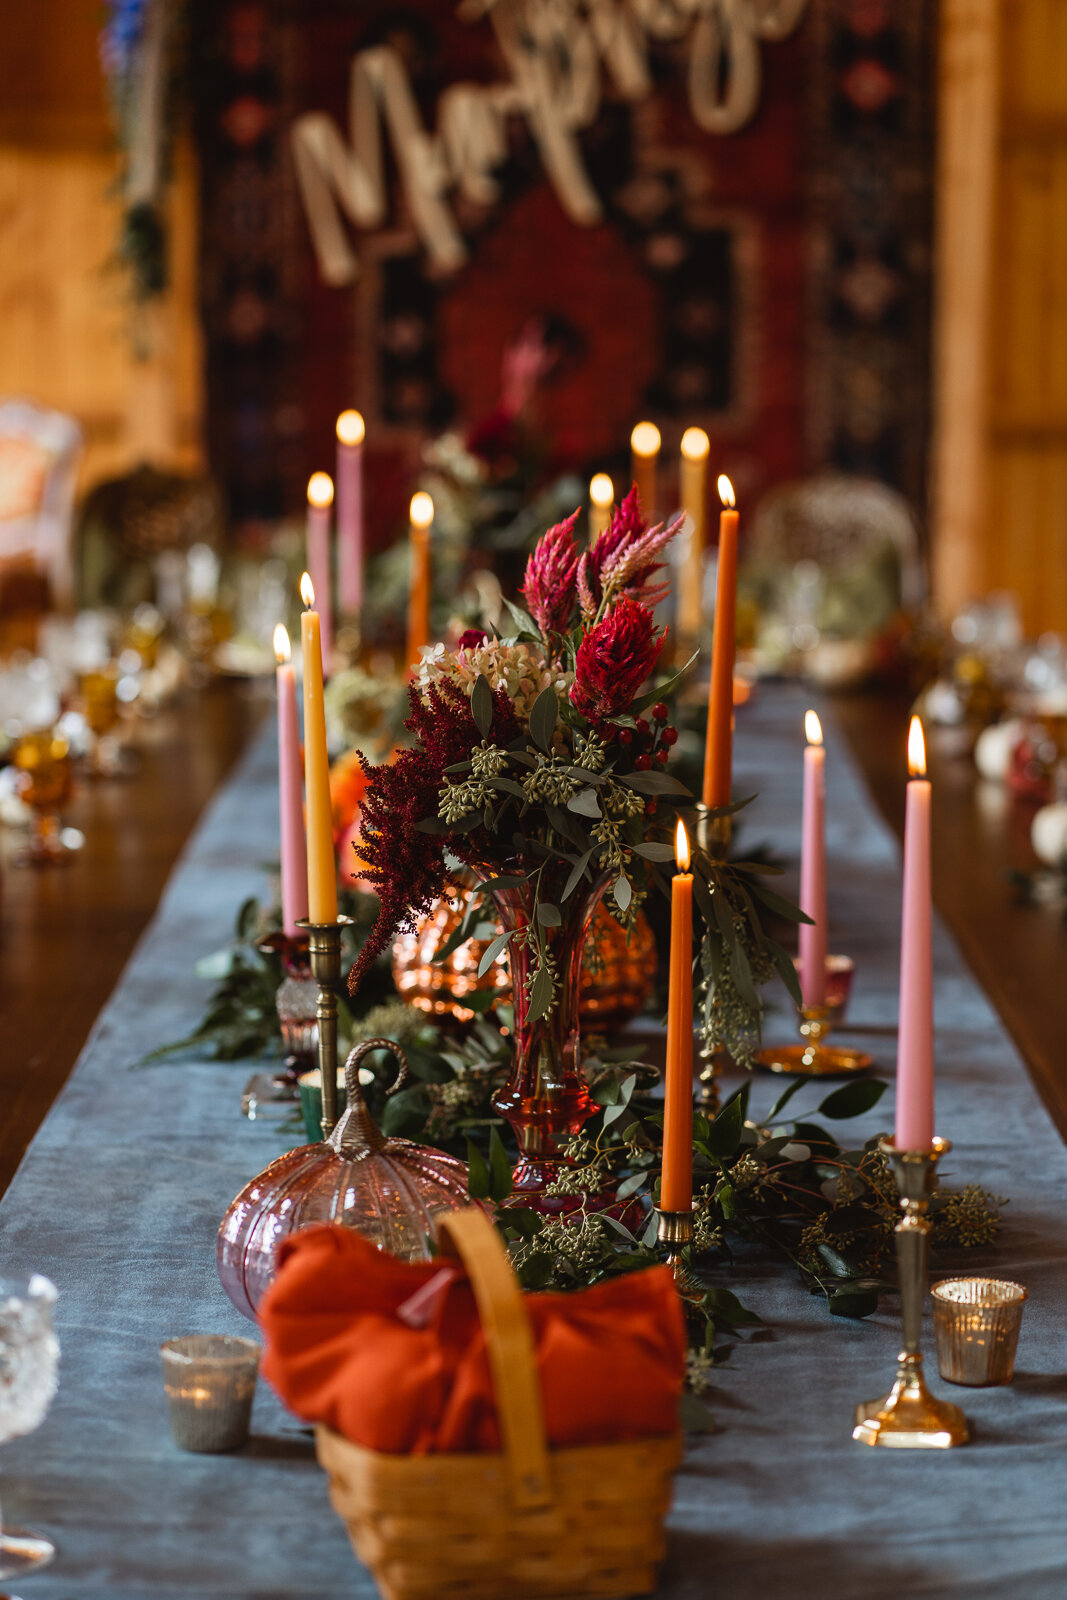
769	285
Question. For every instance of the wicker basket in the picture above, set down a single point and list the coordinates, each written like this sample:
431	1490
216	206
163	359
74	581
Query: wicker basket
526	1524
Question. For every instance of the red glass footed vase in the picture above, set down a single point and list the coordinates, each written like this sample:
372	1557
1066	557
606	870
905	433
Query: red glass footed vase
547	1099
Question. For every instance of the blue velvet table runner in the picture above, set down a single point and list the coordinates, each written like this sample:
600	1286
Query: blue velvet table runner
120	1195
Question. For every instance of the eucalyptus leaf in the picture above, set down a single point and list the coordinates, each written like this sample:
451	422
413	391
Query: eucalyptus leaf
541	991
543	719
654	852
787	970
629	1186
548	914
779	904
623	892
479	1182
507	786
482	705
585	803
491	951
522	619
724	1135
653	783
500	1176
576	874
852	1099
663	689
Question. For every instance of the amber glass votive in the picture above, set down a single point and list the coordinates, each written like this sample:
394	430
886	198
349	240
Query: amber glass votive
976	1321
209	1380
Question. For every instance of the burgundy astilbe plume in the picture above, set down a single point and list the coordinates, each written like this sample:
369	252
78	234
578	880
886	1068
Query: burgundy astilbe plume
623	559
404	864
614	659
548	587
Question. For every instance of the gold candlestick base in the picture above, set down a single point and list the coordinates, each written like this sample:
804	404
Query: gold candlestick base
909	1417
814	1058
324	955
713	832
674	1231
709	1097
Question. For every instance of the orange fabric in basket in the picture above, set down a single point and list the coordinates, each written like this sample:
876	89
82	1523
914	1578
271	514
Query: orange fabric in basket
611	1359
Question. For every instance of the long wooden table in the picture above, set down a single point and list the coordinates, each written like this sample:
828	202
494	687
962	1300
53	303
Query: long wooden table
67	932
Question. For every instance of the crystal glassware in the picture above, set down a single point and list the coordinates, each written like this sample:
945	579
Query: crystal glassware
210	1382
98	694
815	1023
29	1366
976	1324
45	782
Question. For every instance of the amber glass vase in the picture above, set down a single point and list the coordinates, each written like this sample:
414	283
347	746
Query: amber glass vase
546	1099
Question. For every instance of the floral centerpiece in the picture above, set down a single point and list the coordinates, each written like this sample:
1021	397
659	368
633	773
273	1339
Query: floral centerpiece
534	766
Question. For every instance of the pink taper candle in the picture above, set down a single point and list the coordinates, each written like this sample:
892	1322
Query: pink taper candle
915	1049
812	938
320	499
350	432
290	791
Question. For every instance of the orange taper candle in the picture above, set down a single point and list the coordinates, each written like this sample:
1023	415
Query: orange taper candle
421	515
718	751
676	1183
645	444
322	867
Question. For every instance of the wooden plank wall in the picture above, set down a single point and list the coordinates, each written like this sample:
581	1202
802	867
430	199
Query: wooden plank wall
64	317
1000	455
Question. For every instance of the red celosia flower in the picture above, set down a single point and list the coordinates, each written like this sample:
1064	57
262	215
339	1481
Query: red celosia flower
623	559
472	639
548	586
404	864
614	659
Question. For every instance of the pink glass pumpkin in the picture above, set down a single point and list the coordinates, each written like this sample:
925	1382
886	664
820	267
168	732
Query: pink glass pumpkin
389	1190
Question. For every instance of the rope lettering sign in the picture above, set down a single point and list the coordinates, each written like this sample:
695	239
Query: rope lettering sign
557	54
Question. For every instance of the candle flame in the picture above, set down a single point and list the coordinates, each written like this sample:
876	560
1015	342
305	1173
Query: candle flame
351	429
645	439
307	590
421	510
282	648
812	728
916	749
320	490
681	847
695	444
601	490
726	490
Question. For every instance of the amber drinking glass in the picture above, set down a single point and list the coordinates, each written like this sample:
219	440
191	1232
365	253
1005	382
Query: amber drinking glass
45	781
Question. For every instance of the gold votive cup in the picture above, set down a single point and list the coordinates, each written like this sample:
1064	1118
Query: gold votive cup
210	1381
976	1323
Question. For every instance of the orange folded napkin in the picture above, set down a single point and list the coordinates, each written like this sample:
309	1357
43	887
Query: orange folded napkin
391	1354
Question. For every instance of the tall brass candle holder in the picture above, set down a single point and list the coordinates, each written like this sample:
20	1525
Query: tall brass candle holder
909	1417
713	833
674	1232
324	952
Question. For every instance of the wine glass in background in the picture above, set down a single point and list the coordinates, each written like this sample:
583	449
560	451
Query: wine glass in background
29	1377
44	780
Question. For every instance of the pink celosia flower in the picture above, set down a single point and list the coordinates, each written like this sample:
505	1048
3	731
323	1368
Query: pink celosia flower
614	659
548	586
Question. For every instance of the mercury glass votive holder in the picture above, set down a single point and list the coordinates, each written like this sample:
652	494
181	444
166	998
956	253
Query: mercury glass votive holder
976	1323
210	1380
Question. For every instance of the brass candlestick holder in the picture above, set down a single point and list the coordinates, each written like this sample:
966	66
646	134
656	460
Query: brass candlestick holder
814	1058
324	952
909	1417
674	1231
712	832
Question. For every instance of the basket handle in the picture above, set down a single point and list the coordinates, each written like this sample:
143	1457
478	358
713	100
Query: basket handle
511	1351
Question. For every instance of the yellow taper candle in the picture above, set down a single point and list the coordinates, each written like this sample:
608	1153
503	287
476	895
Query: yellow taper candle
644	455
601	496
322	868
676	1183
692	496
419	596
718	751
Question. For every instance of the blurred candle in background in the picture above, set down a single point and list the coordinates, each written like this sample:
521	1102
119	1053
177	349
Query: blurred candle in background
692	495
676	1182
644	458
320	499
915	1047
421	515
601	499
718	751
350	433
813	936
321	865
290	791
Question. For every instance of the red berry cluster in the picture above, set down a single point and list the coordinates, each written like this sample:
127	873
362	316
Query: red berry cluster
651	742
